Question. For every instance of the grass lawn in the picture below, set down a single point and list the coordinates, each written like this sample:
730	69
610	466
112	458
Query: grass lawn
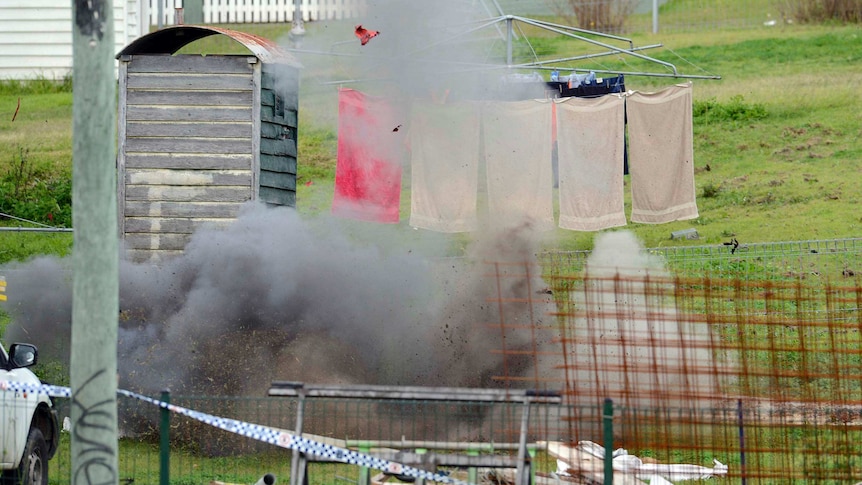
779	133
777	139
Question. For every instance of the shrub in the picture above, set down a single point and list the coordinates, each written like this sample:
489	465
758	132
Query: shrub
734	110
710	190
26	193
597	15
818	11
39	85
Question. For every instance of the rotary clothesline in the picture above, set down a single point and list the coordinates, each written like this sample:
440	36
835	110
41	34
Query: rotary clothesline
443	143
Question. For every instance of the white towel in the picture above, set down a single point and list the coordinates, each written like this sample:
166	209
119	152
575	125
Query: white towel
661	155
590	152
444	141
518	163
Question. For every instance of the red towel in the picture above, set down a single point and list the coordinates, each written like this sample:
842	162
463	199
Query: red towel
370	152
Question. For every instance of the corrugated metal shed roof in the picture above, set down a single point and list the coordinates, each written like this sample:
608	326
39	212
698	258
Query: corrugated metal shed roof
171	39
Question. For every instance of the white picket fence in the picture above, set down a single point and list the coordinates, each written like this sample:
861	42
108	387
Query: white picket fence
258	11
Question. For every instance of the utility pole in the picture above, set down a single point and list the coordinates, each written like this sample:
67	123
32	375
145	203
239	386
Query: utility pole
297	31
95	254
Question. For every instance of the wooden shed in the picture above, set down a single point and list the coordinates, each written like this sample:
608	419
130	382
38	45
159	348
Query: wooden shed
201	135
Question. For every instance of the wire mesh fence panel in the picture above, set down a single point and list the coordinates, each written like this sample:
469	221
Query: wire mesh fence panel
203	452
670	15
693	15
738	361
810	260
138	458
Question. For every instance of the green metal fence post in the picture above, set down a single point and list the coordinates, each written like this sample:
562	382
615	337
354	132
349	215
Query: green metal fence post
608	424
165	441
364	472
532	451
473	472
521	477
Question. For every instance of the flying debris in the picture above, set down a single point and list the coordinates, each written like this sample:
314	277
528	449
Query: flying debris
15	115
734	245
364	34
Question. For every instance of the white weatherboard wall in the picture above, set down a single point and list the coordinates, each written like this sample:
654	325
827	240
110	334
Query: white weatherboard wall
36	36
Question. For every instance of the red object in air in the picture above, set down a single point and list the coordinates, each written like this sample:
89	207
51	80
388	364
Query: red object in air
368	171
364	34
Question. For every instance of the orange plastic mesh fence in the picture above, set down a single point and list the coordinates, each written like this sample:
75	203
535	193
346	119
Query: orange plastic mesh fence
763	376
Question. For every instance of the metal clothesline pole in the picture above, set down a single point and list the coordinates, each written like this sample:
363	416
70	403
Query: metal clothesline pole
568	31
42	227
509	40
595	42
36	229
526	66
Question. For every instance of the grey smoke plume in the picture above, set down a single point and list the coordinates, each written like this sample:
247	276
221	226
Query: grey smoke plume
426	46
275	296
443	50
630	342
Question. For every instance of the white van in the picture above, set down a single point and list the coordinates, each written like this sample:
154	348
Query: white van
29	431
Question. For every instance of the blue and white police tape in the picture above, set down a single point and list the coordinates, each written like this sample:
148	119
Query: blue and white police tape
258	432
53	391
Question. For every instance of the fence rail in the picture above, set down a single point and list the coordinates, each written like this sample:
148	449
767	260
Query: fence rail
473	428
258	11
760	442
834	259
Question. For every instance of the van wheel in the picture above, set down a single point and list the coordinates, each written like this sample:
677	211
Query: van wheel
33	469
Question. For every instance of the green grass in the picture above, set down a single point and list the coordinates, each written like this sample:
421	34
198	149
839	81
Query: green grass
780	133
785	147
21	246
35	165
139	463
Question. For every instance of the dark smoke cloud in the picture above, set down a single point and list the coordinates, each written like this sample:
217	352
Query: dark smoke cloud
276	296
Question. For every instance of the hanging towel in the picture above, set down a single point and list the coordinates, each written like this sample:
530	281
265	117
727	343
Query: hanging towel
369	154
517	137
444	144
661	157
590	143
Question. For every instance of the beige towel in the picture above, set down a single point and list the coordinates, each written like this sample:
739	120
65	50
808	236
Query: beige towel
590	144
661	155
444	141
518	163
